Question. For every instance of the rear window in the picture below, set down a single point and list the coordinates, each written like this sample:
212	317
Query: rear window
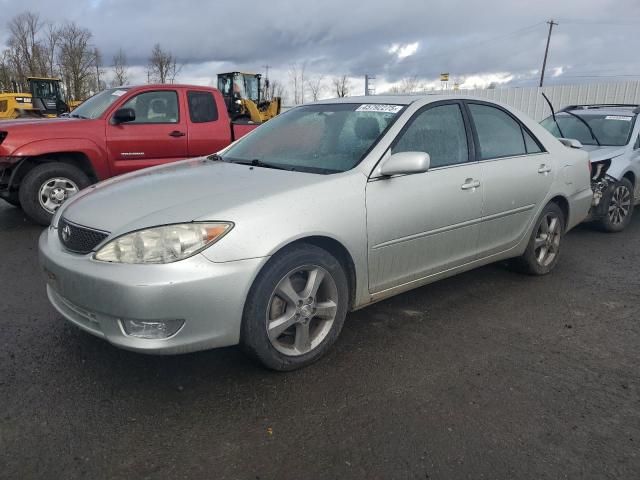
202	107
499	135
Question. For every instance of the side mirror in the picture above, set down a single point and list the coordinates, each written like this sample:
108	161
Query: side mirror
124	115
406	163
570	142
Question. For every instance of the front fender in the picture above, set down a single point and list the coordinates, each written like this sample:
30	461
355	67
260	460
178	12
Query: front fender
96	154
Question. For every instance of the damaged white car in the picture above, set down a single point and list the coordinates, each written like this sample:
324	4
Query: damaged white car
611	135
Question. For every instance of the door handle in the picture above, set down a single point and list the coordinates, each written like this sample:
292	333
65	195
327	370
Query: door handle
177	133
544	169
470	184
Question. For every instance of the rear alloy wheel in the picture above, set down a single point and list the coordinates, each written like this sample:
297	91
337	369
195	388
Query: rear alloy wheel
620	207
543	250
47	186
295	309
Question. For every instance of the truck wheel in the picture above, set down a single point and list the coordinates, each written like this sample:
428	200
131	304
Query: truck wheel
619	207
47	186
295	309
543	250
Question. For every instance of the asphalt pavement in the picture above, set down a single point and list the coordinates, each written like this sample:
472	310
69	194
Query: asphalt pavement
487	375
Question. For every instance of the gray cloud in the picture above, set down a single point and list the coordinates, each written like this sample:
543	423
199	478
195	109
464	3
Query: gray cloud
336	36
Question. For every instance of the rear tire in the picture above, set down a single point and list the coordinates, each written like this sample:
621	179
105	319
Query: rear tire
543	249
47	186
619	208
295	309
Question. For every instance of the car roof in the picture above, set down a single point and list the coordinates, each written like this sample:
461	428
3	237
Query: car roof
609	109
403	99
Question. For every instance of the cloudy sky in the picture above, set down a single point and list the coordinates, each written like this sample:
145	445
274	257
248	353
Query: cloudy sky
476	42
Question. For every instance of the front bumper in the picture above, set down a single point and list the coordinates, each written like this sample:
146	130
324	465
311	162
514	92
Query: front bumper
97	296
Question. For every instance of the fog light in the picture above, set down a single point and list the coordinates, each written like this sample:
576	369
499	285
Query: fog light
151	330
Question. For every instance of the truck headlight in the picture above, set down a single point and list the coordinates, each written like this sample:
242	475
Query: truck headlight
165	244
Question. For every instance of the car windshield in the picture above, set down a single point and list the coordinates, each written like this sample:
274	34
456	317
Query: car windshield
98	104
326	138
611	130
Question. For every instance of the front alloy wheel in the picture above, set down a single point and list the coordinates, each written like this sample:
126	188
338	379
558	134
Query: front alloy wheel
296	307
302	310
620	207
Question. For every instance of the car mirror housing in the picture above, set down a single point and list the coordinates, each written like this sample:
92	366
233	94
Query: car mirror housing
406	163
570	142
124	115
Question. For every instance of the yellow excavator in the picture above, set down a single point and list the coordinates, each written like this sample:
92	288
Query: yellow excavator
244	98
43	99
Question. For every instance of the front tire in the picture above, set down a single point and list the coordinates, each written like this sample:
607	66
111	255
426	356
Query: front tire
619	208
295	309
47	186
543	249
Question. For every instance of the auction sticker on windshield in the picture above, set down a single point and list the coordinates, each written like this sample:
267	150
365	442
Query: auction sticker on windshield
618	117
119	93
379	107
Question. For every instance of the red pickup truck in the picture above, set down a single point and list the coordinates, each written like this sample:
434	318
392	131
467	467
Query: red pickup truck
45	161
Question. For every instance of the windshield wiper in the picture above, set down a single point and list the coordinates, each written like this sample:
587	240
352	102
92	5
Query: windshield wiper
215	157
75	115
553	114
259	163
593	135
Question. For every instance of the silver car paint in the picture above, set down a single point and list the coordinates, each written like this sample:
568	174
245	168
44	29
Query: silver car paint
394	243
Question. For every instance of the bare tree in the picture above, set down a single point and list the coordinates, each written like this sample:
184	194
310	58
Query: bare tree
97	61
296	78
342	85
50	47
120	69
6	72
316	86
77	60
407	85
276	89
25	50
163	66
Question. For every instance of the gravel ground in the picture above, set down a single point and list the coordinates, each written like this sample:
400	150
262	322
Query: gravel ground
489	374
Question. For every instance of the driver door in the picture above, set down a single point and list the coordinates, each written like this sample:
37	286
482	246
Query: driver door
157	135
423	224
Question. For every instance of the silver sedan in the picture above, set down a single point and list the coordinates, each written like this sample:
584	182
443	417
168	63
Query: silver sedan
323	210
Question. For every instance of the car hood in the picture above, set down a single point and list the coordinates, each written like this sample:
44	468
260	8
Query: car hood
190	190
597	154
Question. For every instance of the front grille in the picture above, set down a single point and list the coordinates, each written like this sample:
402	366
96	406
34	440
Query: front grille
79	239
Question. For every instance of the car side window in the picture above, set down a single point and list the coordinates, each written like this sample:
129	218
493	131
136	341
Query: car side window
531	145
499	135
438	131
202	107
155	107
637	145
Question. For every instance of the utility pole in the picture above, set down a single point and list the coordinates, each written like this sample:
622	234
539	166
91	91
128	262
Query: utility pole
546	51
266	82
368	89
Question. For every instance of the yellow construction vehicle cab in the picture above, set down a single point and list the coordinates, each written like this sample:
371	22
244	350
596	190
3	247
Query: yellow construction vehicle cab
244	98
44	99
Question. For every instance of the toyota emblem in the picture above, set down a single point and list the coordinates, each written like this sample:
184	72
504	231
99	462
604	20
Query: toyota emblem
66	233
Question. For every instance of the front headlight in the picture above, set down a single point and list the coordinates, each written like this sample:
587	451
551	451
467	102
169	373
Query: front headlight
165	244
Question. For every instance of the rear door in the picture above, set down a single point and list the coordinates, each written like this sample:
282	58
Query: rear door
419	225
207	132
157	135
517	174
